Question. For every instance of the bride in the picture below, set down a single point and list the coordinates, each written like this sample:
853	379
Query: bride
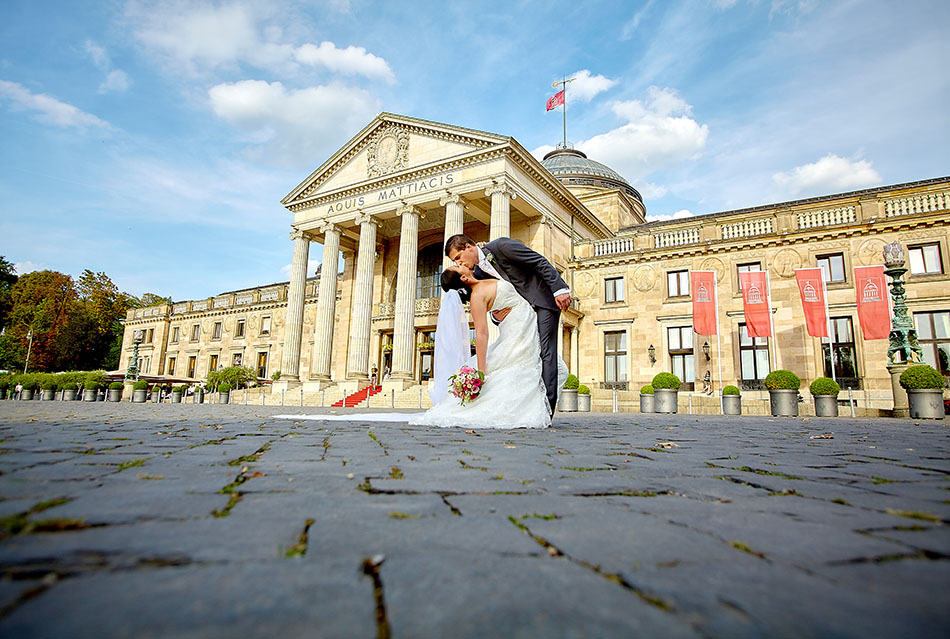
513	394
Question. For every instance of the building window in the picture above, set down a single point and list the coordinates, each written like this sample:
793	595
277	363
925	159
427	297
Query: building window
753	359
195	332
613	289
175	330
212	363
615	357
236	359
680	341
846	368
677	283
933	333
747	268
192	363
216	331
265	325
171	365
150	335
925	259
429	272
832	267
262	364
239	328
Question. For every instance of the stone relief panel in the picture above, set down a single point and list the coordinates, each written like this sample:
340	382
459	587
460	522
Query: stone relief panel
786	261
714	264
644	278
584	284
871	252
388	151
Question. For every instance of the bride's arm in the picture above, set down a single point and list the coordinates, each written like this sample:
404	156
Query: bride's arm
479	310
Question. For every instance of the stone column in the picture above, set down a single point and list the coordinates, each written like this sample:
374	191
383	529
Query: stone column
501	196
362	314
405	312
454	221
576	351
290	362
326	302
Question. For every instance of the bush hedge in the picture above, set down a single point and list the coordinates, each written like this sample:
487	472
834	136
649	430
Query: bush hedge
646	390
666	381
70	386
224	388
825	386
583	390
572	382
140	385
116	386
782	380
922	377
730	390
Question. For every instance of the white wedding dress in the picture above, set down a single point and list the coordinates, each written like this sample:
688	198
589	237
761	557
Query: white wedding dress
513	394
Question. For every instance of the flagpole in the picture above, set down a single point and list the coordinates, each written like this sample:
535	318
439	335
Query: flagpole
831	333
768	295
563	83
722	408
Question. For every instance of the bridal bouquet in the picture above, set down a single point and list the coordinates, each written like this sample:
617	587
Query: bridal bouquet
466	384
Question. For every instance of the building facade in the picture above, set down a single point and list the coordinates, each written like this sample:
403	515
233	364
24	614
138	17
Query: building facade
388	200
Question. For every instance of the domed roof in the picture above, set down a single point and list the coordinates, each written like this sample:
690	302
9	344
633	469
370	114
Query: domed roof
573	168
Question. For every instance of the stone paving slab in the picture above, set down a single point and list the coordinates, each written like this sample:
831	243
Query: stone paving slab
182	520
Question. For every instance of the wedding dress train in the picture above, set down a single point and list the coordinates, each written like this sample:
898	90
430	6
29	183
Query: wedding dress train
513	394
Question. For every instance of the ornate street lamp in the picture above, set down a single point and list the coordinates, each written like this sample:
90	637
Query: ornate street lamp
903	337
706	350
132	372
652	353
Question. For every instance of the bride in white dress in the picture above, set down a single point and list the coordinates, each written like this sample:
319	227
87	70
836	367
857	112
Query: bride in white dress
512	395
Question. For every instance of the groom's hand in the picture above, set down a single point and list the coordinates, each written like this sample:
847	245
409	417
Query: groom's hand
563	301
501	314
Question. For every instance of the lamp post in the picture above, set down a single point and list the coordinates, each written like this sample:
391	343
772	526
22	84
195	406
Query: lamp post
132	372
903	337
29	349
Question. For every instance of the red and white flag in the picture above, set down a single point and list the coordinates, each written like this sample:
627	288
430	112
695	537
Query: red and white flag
874	312
555	100
703	286
755	303
811	287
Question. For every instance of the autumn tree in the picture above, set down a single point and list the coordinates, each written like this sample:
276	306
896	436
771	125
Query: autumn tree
40	305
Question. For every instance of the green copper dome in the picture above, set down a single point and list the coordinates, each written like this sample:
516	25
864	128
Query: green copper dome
572	168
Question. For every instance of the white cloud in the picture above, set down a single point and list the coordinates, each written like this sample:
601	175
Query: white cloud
830	174
294	126
201	37
659	132
116	81
311	268
22	268
650	191
671	216
585	86
349	61
48	109
98	55
630	27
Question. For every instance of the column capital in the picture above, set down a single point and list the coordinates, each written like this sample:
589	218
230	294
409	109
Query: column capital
408	209
365	218
451	198
547	220
297	234
328	227
501	187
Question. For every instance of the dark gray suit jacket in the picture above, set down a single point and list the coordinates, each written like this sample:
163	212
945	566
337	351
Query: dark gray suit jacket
530	273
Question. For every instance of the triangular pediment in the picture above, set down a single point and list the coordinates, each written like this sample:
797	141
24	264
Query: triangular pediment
387	145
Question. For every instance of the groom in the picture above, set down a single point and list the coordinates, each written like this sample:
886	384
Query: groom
535	280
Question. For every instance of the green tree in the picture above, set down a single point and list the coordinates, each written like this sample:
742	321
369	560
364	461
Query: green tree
40	305
8	278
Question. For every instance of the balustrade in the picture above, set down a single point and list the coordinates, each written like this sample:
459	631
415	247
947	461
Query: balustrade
922	203
826	217
746	228
678	237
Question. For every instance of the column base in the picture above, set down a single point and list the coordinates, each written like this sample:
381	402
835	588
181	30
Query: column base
901	406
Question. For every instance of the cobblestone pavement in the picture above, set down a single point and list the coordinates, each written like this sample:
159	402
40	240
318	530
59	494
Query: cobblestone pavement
136	520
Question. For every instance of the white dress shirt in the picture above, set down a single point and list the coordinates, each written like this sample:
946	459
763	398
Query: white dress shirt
489	268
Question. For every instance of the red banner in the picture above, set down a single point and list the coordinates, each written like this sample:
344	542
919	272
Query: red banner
703	287
874	312
555	100
811	287
755	303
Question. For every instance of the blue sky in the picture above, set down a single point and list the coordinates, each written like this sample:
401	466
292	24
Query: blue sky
155	140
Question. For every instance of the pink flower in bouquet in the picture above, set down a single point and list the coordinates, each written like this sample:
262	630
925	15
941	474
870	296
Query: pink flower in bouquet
466	384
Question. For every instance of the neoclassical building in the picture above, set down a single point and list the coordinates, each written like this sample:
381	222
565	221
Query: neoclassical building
387	200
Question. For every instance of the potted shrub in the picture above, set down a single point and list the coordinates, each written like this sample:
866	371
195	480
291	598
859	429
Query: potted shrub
825	392
177	393
115	391
29	387
49	388
69	391
224	393
666	388
924	386
583	398
567	402
647	400
783	393
731	400
140	391
156	393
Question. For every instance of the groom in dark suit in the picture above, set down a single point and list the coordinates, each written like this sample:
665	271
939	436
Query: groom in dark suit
533	277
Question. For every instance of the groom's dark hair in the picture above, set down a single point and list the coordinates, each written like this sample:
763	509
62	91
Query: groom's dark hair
452	280
457	243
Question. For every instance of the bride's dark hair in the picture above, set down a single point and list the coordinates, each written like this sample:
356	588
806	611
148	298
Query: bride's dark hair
452	279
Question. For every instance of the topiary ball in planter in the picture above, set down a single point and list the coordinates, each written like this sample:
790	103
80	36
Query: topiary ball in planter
731	400
782	380
665	390
567	400
730	390
572	382
824	386
924	386
583	399
922	376
646	390
667	381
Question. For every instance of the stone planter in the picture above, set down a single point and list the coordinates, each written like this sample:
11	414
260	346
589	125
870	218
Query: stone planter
26	394
223	398
567	403
925	403
647	403
139	396
156	397
583	403
665	400
732	404
176	397
200	397
48	395
826	405
69	395
115	394
783	402
89	395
